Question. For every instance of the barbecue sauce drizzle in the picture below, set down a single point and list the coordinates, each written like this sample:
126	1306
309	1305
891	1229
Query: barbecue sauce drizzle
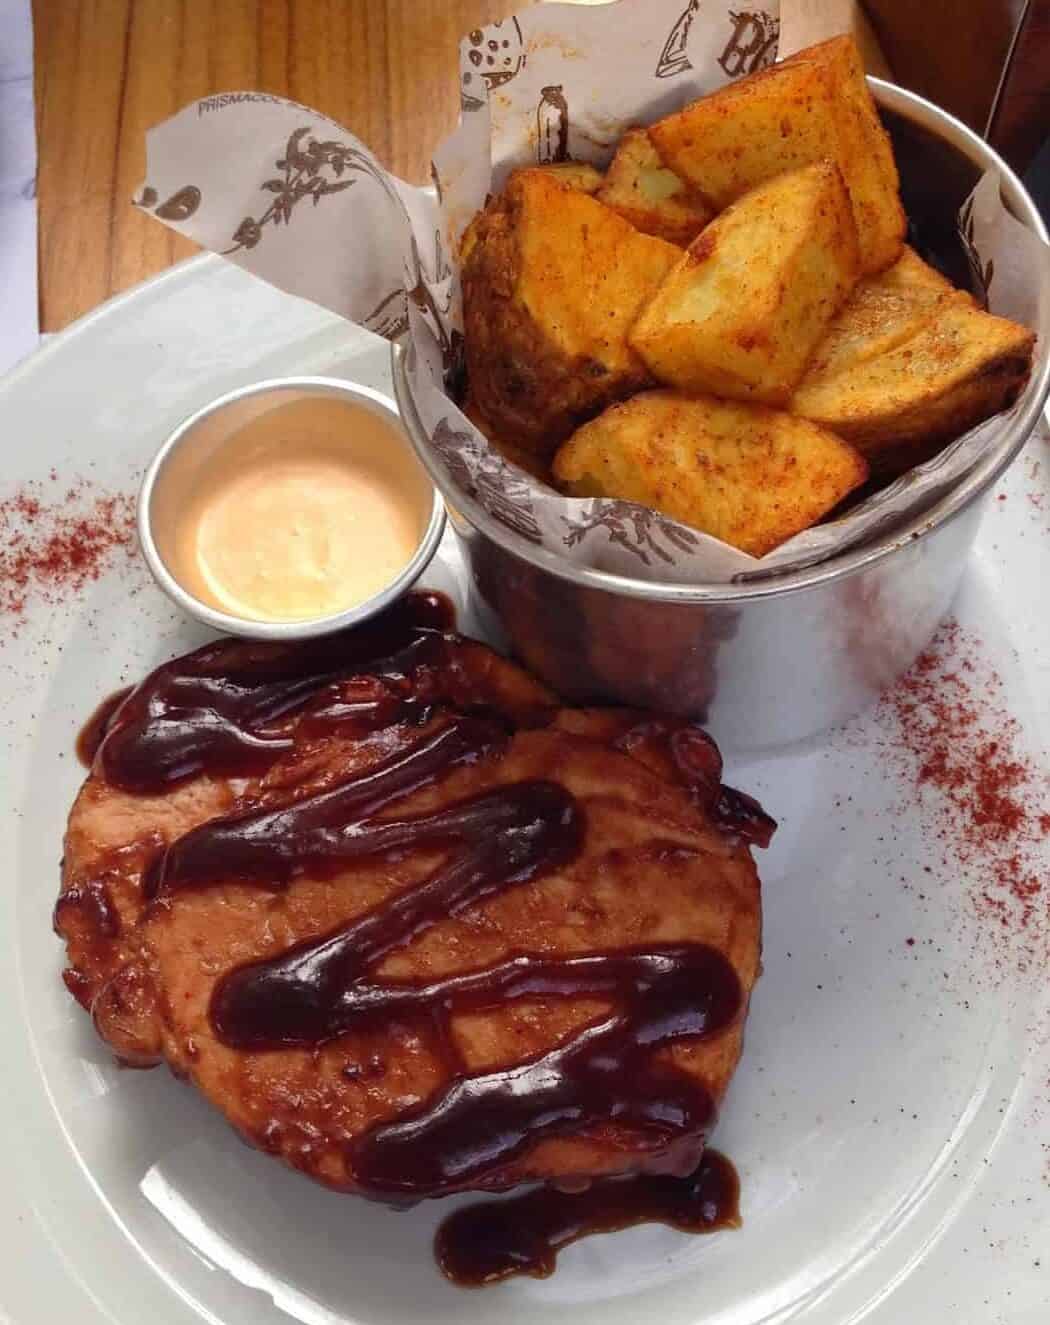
93	732
204	712
492	1240
189	717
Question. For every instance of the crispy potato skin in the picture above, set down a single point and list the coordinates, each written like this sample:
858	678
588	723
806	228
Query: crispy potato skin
641	188
866	154
742	473
517	455
552	280
901	406
747	304
579	175
813	107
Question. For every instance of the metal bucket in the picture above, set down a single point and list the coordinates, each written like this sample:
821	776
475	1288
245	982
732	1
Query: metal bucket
772	662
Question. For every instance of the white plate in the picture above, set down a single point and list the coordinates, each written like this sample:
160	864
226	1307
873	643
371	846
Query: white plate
890	1119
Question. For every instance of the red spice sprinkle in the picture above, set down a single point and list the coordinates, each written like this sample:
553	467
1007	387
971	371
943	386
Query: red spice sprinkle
1036	494
950	731
52	549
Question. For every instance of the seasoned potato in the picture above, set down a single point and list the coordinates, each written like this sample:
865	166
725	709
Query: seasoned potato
517	455
881	312
573	174
640	187
743	310
866	154
552	280
813	107
748	475
898	407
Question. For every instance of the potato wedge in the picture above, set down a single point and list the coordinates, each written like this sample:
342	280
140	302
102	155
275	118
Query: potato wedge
748	475
866	154
517	455
743	310
812	107
881	313
574	174
640	187
899	407
552	280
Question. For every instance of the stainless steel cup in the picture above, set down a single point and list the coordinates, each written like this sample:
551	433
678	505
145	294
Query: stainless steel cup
770	662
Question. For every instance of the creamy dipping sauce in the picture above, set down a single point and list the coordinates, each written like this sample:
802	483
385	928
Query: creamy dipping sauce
299	536
290	507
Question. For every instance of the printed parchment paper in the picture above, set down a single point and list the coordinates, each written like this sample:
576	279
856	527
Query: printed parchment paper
294	198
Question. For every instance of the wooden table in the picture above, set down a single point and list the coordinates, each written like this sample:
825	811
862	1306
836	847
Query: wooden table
108	69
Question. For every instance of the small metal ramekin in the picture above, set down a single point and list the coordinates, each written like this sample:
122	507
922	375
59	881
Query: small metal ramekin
184	435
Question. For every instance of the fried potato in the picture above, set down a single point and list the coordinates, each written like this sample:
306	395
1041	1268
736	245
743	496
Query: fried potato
640	187
552	280
517	455
899	407
813	107
754	293
866	154
748	475
881	313
573	174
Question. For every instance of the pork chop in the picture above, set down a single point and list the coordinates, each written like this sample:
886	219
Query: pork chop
410	926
